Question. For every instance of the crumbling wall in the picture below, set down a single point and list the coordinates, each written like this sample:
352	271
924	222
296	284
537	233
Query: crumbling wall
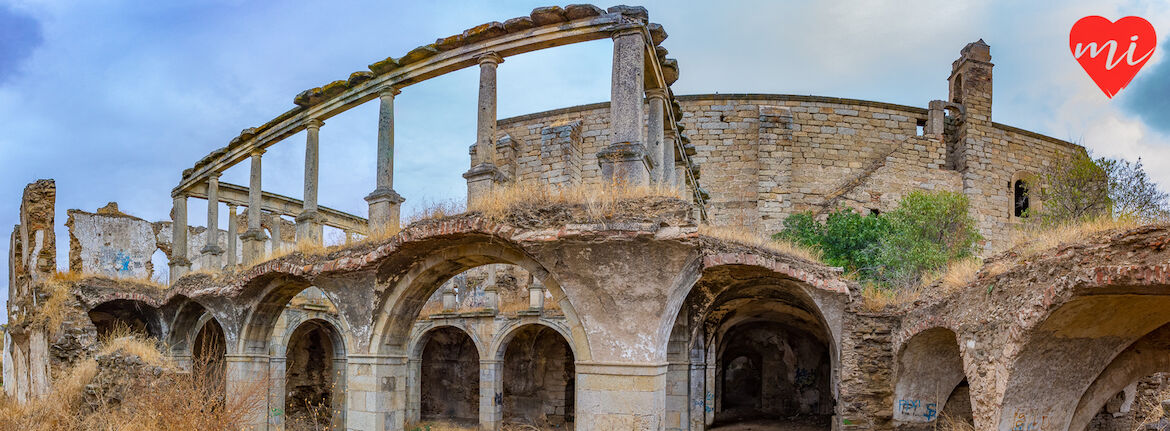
511	285
111	243
866	382
32	260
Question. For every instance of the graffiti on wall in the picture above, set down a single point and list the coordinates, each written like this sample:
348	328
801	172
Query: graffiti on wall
917	408
1025	422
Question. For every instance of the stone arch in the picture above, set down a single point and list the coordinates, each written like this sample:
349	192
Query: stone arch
444	375
273	292
720	300
508	331
134	315
314	376
1148	355
415	277
418	341
537	375
1083	334
928	371
189	318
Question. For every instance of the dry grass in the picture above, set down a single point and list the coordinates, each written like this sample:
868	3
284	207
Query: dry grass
600	202
751	238
52	311
1032	240
172	401
134	343
874	299
440	426
950	423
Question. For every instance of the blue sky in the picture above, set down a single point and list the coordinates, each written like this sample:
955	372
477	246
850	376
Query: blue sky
113	99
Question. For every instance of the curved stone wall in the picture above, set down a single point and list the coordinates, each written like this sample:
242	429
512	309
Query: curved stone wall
765	156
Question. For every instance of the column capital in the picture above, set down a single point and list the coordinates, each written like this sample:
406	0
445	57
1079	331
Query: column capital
490	57
214	175
656	93
389	91
314	123
626	32
231	206
256	152
178	195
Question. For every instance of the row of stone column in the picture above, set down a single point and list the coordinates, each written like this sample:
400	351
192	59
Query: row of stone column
630	158
384	202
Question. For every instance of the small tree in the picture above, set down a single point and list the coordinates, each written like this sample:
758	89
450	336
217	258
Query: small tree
1081	188
928	230
846	239
1076	189
1132	192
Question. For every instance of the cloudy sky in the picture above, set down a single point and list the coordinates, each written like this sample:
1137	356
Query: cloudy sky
113	99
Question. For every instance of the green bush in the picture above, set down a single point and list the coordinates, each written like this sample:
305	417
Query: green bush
927	231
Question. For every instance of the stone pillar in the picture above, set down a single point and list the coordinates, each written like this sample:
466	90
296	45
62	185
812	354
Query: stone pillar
385	203
623	161
277	238
491	297
935	119
253	238
491	409
179	262
232	235
535	296
247	377
309	221
614	396
669	142
655	138
211	250
450	302
484	173
376	390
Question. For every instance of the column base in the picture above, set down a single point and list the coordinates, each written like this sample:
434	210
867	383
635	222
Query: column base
211	257
481	179
625	163
179	268
253	242
309	228
385	210
621	396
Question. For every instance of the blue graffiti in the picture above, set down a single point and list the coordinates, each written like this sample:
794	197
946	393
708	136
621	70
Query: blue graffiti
911	407
122	261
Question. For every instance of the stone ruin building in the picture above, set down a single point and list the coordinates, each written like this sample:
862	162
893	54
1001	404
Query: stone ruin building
643	322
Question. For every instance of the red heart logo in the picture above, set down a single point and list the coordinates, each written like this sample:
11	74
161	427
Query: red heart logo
1112	52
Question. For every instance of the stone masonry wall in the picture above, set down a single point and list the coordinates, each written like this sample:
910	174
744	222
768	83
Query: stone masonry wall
764	157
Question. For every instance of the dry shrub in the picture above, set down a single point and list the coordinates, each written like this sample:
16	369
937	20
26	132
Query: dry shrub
52	311
947	422
436	210
1036	238
955	276
744	236
134	343
173	401
1149	408
600	202
876	299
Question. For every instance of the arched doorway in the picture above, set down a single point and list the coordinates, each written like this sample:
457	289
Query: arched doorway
125	316
750	349
449	377
931	389
539	378
208	350
313	377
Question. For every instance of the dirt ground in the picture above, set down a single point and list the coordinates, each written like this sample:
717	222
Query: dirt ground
791	424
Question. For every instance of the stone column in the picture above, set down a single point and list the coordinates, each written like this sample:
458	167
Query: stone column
277	238
211	250
450	302
620	396
245	373
669	142
484	173
623	161
254	237
179	262
535	297
376	390
385	203
491	409
656	99
309	221
232	234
